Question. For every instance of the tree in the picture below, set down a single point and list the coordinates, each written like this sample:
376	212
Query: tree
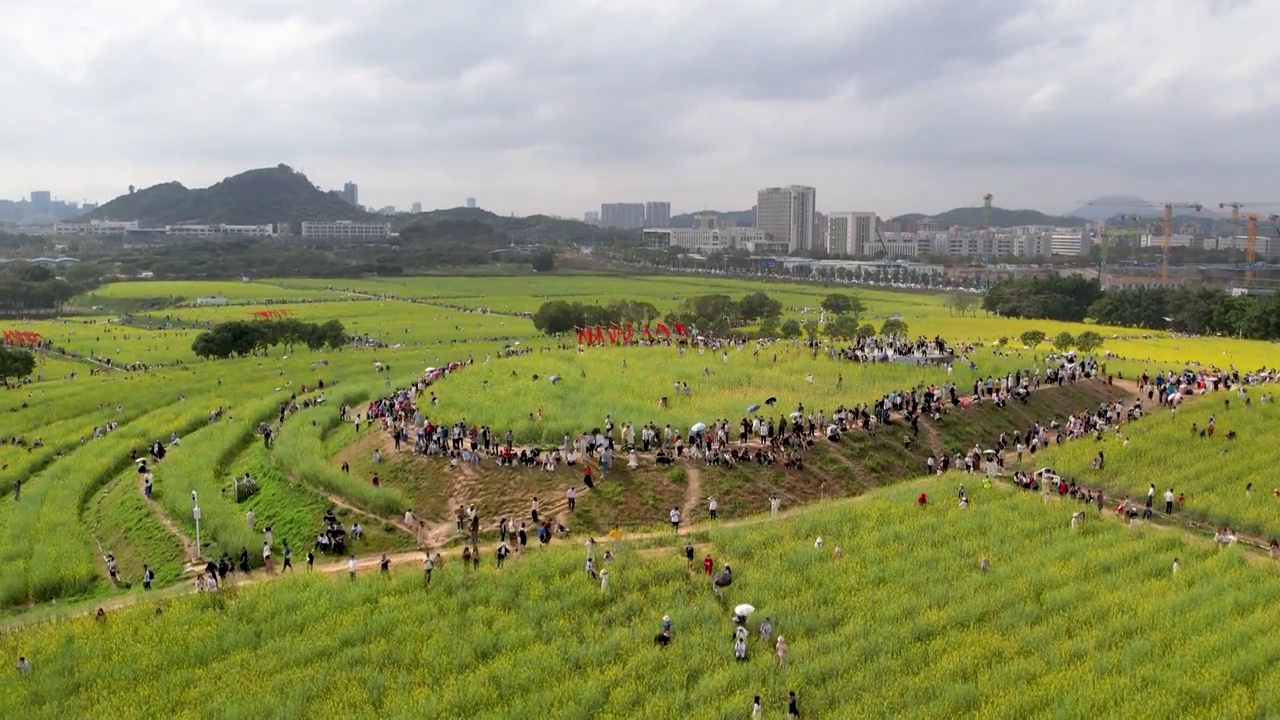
554	317
1032	338
1088	341
790	328
893	326
866	330
15	363
842	327
758	305
840	303
543	261
1063	341
961	303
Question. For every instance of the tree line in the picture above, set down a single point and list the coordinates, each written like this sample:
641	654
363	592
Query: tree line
719	314
1194	310
240	338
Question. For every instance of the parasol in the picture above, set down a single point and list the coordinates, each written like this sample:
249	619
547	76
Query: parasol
753	408
744	610
698	427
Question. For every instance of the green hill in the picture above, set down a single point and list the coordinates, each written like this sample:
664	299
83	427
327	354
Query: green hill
264	195
477	225
744	218
971	217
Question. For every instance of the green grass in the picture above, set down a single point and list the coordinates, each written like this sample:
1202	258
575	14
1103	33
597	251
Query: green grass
928	634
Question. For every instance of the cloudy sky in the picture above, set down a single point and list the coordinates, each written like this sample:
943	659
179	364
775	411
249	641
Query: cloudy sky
558	105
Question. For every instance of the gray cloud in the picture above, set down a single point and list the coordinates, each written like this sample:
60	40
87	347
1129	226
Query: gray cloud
643	99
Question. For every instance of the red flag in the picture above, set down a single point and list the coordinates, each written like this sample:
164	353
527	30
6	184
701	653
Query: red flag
680	329
8	337
613	336
662	328
648	332
581	334
599	335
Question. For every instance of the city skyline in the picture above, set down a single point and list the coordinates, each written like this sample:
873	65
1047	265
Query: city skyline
541	107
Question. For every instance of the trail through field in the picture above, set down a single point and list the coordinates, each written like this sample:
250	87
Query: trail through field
693	488
189	548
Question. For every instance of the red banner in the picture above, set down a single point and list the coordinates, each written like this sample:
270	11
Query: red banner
22	337
271	314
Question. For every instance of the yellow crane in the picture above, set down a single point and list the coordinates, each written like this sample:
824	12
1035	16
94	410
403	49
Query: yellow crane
1251	232
1168	226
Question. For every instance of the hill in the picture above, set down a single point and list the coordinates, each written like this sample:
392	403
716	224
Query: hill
971	217
475	224
744	218
264	195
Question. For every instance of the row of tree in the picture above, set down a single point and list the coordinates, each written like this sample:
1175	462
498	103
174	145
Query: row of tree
240	338
27	289
1195	310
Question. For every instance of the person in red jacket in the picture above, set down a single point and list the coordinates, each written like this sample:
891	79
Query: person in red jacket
707	564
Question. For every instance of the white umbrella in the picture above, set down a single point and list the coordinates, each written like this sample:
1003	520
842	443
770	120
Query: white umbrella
743	610
698	427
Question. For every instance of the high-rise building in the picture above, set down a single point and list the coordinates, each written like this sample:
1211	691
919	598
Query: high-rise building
416	207
786	215
625	216
657	214
41	200
851	233
471	202
351	193
591	217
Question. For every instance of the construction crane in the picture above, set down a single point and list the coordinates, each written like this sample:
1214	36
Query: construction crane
986	238
1251	232
1168	226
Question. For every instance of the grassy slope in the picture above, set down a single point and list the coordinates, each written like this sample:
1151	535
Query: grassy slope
903	625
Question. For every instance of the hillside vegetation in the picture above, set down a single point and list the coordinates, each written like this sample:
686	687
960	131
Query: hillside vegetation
264	195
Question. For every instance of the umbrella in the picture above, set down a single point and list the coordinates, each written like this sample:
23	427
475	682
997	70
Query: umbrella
555	379
771	401
744	610
698	427
795	415
724	579
753	408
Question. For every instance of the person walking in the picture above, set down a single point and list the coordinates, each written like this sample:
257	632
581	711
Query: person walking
793	705
351	567
427	566
288	558
781	648
1168	501
712	506
267	562
604	581
147	577
572	497
675	520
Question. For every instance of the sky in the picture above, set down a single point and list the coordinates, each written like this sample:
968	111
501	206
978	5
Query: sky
556	106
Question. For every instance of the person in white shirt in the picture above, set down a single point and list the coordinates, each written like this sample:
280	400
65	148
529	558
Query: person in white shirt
351	567
713	506
774	503
604	580
675	520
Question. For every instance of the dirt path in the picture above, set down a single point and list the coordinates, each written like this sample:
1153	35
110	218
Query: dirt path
693	489
189	548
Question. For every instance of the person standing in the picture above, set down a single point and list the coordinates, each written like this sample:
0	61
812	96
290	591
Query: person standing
267	562
385	566
688	553
707	564
774	503
675	520
24	667
503	551
1168	501
604	580
351	567
712	506
781	648
533	510
793	705
572	497
147	577
288	558
757	710
523	537
311	560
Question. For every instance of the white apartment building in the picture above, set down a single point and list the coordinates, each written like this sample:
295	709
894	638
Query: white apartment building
1264	247
247	230
1032	245
95	227
191	230
1070	242
626	216
851	233
786	214
345	230
1186	241
700	240
657	214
